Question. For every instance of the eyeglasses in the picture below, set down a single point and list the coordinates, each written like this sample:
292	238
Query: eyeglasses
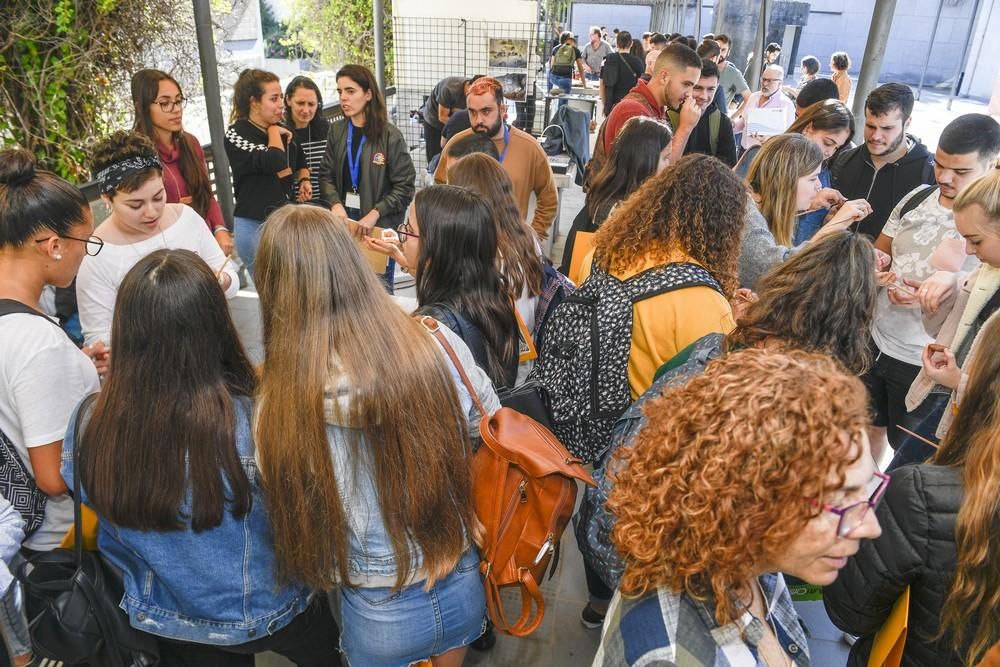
771	80
94	243
852	516
166	106
405	233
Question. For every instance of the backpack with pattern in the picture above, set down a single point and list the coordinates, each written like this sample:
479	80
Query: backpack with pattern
583	363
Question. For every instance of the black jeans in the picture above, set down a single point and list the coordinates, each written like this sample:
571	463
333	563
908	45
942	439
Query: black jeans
927	417
887	381
312	639
595	585
432	140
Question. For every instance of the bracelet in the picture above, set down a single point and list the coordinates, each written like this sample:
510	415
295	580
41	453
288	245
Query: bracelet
304	178
221	228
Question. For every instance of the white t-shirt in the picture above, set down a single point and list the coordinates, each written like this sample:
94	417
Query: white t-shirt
43	376
899	330
99	277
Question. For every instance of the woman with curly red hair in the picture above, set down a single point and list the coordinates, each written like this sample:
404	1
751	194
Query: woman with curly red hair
692	213
759	466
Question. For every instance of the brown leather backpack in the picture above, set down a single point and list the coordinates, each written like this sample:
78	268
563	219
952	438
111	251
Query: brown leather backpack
524	486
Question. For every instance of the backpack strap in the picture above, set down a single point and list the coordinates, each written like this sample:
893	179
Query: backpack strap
434	328
12	307
916	200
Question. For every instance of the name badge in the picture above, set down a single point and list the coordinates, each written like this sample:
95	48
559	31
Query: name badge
352	200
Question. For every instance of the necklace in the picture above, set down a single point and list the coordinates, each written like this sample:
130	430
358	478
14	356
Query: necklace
773	655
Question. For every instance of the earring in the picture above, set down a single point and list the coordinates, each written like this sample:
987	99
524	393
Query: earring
58	257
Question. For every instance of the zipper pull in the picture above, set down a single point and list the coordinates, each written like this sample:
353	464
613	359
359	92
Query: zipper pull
547	547
520	488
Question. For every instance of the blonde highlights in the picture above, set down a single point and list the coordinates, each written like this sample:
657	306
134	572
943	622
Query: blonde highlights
774	177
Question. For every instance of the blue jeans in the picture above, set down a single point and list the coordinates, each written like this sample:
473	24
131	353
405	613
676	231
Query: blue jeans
386	628
247	232
565	84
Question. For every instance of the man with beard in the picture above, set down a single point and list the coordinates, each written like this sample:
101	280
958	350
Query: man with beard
889	164
521	156
675	73
929	262
731	79
713	135
768	97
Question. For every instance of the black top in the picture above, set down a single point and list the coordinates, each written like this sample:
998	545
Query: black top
312	139
448	93
620	73
700	140
854	175
565	70
457	122
354	148
255	165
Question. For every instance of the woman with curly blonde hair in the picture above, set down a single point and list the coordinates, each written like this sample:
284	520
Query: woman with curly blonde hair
692	213
760	435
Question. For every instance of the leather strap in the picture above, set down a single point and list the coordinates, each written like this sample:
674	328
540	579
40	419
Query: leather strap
530	592
434	327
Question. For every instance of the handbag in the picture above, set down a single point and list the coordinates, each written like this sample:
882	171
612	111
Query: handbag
73	596
19	487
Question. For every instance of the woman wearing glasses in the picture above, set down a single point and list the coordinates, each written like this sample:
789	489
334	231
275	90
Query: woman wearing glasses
45	232
758	467
130	176
267	163
940	539
159	107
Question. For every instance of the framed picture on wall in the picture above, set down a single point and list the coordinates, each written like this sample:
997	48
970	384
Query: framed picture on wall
508	53
514	86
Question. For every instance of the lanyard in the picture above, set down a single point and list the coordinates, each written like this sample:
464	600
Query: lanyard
354	161
506	141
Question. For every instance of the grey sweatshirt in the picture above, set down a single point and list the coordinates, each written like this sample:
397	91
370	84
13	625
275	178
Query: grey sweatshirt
760	251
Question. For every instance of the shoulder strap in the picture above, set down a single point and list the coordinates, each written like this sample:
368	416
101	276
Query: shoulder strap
434	328
11	307
77	510
916	200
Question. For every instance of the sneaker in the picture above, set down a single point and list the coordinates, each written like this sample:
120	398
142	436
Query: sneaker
591	618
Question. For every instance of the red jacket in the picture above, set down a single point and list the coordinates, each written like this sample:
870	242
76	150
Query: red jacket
639	102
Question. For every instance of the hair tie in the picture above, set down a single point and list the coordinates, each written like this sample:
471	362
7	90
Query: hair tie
111	176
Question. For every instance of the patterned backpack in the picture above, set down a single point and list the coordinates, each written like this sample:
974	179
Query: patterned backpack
583	363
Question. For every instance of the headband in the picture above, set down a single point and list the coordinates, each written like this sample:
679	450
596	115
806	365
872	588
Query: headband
109	177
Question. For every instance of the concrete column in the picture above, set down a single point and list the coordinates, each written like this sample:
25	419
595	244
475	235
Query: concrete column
760	41
960	70
213	104
871	66
718	17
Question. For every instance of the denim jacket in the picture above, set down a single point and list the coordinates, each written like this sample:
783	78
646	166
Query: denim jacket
214	587
372	559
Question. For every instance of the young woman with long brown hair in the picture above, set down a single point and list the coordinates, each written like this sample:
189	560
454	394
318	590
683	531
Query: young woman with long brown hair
159	107
363	443
166	459
267	164
518	253
940	538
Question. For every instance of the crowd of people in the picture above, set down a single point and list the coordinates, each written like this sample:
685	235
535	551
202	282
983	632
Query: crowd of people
756	318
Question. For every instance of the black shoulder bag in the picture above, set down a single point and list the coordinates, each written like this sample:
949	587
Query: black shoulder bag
73	596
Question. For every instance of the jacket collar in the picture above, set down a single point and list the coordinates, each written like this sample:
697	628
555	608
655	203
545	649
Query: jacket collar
641	88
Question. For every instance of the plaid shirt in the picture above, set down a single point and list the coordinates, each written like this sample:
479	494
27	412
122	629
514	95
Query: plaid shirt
665	629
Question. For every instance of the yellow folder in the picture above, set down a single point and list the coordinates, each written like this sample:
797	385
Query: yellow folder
887	650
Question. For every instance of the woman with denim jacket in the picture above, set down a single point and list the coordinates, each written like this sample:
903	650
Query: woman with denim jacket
362	429
167	462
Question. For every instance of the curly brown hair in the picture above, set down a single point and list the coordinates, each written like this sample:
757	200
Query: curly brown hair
721	457
697	206
820	300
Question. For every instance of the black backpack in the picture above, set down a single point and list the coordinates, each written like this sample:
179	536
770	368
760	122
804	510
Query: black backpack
583	363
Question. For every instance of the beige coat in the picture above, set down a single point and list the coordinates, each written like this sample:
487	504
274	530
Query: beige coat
951	326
